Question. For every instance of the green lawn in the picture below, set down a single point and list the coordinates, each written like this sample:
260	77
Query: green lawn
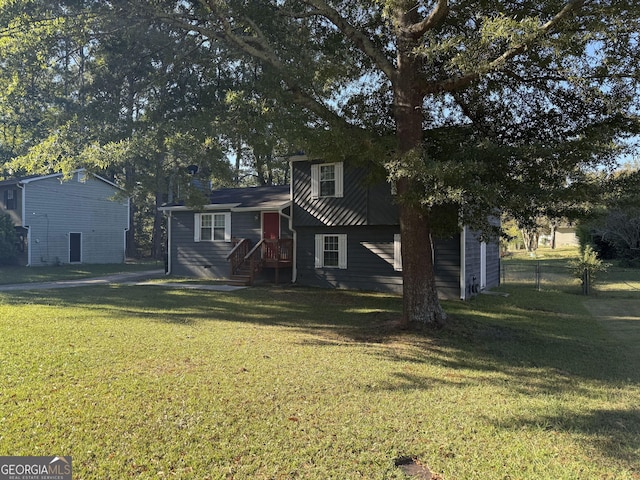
286	382
12	275
545	253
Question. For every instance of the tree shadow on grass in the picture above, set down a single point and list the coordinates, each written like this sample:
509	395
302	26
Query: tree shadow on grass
528	350
614	432
477	337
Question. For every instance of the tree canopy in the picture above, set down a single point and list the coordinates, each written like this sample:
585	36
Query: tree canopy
483	105
476	106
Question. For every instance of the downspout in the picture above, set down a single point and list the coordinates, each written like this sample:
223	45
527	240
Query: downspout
23	205
126	230
169	256
463	263
294	270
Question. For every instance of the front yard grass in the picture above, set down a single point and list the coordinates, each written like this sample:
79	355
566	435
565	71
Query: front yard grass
286	382
15	274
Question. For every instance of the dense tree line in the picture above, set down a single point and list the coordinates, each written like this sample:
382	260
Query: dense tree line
613	227
136	101
465	107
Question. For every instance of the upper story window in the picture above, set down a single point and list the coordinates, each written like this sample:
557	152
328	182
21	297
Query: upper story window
10	199
212	227
327	180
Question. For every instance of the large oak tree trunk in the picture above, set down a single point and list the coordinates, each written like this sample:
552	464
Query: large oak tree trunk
421	306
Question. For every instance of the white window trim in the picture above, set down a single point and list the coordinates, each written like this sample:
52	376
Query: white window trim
197	226
397	253
315	180
342	250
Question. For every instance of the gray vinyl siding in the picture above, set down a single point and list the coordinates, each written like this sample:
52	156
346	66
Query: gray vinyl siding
209	259
197	259
370	266
54	208
382	209
362	204
368	215
447	267
246	225
472	264
493	264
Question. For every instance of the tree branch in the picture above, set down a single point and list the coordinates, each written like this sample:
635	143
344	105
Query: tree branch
434	20
472	114
466	79
258	47
363	42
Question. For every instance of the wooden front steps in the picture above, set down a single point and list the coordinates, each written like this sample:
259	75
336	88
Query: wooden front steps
247	262
241	277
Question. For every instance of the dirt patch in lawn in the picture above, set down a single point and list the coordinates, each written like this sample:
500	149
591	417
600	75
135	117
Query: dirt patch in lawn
412	467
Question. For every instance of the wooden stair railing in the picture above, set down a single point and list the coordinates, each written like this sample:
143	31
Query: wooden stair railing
247	262
277	253
237	254
254	260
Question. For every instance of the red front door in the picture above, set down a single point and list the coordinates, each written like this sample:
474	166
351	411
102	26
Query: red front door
270	226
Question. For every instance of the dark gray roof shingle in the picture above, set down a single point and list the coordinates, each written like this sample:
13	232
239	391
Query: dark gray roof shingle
252	197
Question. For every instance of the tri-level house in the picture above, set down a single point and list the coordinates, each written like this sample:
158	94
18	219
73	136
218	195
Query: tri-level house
81	219
330	228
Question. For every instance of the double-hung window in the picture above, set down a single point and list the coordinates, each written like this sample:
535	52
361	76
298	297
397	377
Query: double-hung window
10	199
326	180
331	251
212	227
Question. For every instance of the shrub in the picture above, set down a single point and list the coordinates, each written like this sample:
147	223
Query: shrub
588	261
8	240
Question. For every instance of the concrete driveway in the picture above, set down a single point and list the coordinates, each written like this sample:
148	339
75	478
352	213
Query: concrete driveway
84	282
131	278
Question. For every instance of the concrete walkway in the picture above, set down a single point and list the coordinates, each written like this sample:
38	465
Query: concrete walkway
131	278
193	286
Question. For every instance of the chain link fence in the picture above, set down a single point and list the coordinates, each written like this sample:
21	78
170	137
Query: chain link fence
554	274
537	273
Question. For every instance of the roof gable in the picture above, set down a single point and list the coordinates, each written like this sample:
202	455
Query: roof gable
34	178
16	181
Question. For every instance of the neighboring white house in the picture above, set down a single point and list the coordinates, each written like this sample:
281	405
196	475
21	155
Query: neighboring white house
566	236
82	219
